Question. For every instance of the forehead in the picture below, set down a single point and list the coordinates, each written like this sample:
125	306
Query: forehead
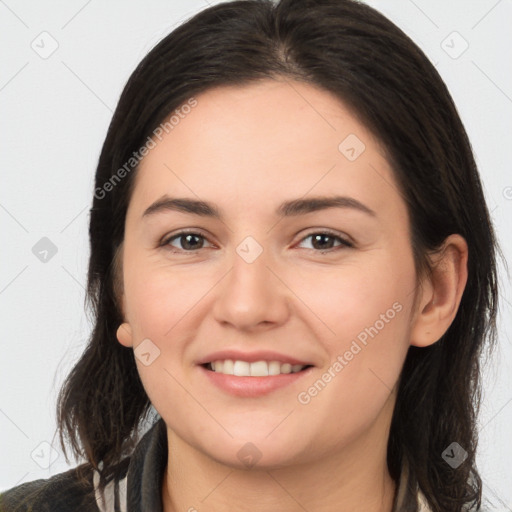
269	138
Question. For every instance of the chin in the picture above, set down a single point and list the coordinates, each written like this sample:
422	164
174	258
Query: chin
253	451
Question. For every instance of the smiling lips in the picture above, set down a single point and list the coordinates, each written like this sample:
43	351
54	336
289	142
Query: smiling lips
252	374
256	369
263	363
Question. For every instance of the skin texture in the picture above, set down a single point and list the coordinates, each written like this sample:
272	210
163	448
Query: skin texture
247	149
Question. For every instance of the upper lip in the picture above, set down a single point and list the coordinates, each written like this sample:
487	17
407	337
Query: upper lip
251	357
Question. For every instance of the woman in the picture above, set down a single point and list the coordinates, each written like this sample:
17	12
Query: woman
293	264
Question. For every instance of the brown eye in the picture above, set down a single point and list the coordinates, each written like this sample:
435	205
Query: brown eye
188	241
324	241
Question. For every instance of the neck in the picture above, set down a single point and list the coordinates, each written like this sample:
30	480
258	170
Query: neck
351	479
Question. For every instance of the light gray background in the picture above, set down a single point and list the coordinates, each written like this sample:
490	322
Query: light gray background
54	115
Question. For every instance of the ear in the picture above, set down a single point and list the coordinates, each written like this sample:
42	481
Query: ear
124	335
440	293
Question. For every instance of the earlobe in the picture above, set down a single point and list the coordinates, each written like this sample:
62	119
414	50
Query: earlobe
441	294
124	335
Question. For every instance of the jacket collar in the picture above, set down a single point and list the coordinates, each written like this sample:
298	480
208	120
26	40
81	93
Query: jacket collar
146	471
140	489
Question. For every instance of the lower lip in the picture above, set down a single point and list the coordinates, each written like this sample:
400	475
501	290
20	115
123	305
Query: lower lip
253	386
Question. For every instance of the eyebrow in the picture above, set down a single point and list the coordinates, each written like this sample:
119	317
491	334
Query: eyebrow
286	209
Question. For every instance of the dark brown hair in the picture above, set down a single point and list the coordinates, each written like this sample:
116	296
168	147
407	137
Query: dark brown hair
354	52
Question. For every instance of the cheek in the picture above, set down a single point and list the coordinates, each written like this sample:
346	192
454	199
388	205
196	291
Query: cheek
161	308
158	295
365	299
367	309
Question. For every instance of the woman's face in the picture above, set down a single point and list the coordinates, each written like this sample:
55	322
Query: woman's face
328	289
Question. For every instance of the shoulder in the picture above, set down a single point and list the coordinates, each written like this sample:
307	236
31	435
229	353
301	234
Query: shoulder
68	491
136	478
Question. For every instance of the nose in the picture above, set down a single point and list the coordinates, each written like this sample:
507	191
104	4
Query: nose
253	295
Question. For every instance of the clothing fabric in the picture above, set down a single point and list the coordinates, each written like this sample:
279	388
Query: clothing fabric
137	490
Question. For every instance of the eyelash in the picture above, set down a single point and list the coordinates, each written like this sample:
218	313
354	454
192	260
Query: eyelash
344	243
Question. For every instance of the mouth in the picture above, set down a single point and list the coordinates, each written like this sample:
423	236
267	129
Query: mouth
262	368
254	374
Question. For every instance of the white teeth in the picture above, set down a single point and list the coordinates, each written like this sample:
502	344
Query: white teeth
274	368
286	368
241	369
256	369
259	369
228	367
